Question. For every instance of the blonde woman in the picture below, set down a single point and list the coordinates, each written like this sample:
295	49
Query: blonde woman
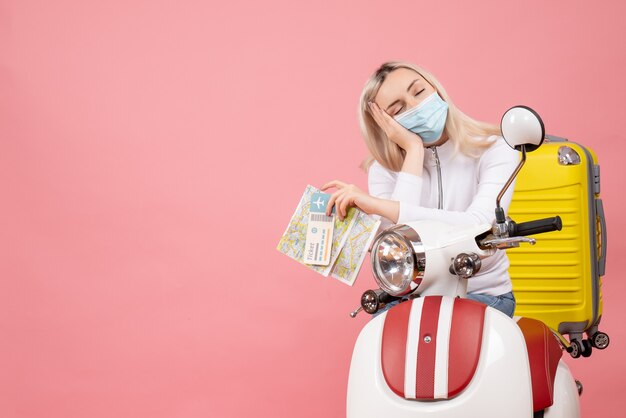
430	161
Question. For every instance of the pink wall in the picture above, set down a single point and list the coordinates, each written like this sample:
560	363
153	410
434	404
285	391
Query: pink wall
152	153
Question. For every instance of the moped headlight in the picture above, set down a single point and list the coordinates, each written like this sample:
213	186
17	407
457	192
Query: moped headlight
398	260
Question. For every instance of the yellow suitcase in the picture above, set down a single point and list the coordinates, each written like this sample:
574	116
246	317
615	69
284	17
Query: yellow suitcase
559	280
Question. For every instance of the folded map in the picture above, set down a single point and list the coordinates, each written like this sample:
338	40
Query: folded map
351	239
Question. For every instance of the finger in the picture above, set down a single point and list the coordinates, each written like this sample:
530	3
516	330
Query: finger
332	200
338	203
334	183
384	120
388	120
341	207
345	204
376	114
330	204
337	212
375	111
382	111
386	116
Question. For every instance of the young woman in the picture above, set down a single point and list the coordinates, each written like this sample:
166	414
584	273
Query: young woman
429	161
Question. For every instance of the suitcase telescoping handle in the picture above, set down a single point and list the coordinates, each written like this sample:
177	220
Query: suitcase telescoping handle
535	227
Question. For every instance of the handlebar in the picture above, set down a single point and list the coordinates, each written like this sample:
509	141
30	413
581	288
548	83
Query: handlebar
386	298
371	301
535	227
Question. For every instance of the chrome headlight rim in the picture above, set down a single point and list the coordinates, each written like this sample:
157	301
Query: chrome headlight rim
414	245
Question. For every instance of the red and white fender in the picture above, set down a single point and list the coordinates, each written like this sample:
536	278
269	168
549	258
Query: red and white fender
439	356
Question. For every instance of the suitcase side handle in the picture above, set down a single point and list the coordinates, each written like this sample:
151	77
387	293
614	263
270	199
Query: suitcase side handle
602	258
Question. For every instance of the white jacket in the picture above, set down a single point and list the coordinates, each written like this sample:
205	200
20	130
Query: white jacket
470	188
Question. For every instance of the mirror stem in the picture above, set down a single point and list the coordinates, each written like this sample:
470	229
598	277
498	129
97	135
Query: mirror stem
499	211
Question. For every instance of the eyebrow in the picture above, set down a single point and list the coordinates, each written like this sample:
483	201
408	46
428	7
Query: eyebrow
407	89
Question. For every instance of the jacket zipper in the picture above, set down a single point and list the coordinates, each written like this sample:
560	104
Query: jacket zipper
439	180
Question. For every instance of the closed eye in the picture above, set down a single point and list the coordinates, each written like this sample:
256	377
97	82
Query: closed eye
400	109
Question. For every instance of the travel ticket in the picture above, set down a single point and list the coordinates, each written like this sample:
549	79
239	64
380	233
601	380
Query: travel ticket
319	234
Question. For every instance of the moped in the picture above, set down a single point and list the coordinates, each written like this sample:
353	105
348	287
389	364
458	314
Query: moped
437	354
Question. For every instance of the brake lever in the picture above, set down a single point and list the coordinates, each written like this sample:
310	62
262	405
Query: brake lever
509	242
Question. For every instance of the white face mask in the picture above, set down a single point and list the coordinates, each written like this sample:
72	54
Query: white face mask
427	119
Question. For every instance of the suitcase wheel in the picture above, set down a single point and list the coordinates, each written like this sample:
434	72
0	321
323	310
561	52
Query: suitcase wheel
600	340
575	349
579	348
586	348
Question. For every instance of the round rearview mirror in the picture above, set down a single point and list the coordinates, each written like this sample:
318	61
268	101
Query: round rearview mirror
522	126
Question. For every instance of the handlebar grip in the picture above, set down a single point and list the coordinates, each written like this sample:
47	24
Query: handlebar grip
535	227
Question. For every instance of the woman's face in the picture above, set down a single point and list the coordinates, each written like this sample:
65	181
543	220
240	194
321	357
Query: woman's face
402	90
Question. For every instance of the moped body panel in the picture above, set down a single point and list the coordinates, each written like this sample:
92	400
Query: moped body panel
566	398
501	385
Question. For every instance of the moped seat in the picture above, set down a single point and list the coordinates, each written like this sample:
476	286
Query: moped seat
544	353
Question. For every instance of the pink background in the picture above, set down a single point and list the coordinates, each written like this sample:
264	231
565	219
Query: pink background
152	153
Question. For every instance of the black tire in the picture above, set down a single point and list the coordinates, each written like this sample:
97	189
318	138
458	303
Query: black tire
576	349
587	348
600	340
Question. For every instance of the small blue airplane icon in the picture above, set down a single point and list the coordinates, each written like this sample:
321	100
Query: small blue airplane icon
320	202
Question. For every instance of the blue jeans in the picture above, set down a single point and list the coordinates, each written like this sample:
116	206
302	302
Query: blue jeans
504	303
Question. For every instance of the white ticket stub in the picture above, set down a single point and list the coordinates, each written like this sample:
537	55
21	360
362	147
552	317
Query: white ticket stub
319	233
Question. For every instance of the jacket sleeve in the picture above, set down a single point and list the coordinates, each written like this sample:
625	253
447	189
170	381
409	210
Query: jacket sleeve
496	165
403	187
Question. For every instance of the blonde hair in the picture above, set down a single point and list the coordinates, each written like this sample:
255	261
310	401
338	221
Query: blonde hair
467	134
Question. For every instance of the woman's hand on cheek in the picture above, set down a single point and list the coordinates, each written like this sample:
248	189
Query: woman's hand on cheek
348	195
396	133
